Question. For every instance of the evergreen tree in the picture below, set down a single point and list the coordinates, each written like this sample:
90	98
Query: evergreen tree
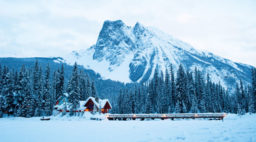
180	89
7	91
209	97
254	86
177	107
39	108
73	89
20	89
154	93
192	105
46	97
36	79
242	97
82	86
250	101
149	108
173	92
1	96
202	106
132	102
27	108
54	88
1	79
37	90
60	82
166	93
88	90
93	89
126	102
120	102
200	90
1	76
150	98
1	106
240	111
138	100
15	94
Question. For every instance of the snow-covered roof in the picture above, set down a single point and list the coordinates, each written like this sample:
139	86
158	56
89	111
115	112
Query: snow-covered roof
93	100
63	102
101	103
81	105
61	106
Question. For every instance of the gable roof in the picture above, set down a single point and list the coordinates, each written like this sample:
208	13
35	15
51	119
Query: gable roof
93	100
99	104
104	102
63	102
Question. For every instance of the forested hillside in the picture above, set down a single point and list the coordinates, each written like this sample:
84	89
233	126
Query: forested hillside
29	91
186	91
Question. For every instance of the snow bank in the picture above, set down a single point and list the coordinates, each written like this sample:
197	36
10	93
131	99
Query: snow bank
76	129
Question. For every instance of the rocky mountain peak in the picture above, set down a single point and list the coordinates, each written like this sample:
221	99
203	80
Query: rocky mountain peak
132	54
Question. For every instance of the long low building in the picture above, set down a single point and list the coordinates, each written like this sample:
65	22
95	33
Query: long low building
216	116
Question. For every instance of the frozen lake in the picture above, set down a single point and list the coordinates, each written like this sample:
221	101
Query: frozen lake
233	129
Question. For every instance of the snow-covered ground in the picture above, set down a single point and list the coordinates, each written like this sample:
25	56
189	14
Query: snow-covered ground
234	129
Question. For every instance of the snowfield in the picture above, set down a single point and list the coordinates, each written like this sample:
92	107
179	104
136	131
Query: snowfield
132	53
65	129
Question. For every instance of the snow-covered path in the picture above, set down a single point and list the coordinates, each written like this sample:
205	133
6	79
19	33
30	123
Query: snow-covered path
233	128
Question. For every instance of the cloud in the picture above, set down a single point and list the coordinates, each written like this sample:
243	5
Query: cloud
56	27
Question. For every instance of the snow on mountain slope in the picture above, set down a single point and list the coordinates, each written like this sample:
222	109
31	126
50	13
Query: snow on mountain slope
131	54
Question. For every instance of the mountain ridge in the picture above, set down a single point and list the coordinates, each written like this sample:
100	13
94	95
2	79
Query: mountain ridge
131	54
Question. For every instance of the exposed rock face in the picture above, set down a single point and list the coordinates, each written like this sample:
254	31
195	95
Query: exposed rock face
131	54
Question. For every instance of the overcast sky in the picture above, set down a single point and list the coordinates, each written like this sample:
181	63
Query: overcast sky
56	27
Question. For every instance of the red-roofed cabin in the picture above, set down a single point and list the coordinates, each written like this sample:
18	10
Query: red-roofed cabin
96	104
106	107
91	104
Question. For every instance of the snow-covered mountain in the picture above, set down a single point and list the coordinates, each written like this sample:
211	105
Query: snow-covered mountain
131	54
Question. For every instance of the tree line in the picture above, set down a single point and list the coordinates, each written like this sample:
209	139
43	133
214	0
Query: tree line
186	91
34	91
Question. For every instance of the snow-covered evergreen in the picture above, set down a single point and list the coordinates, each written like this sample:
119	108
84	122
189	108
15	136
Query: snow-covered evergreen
33	91
187	92
73	89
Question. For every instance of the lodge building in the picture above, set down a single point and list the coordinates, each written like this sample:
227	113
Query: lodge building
90	105
96	104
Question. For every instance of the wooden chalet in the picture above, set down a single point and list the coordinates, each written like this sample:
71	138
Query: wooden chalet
106	106
90	105
95	104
